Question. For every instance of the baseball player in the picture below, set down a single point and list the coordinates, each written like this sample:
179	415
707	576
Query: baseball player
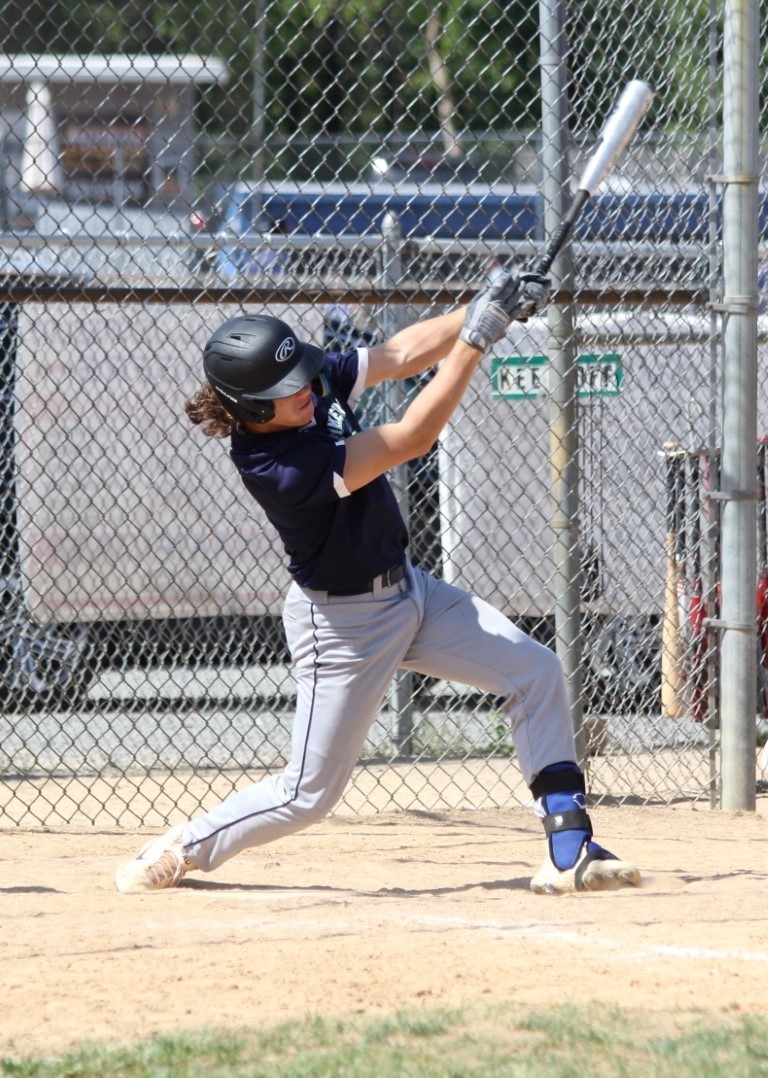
356	609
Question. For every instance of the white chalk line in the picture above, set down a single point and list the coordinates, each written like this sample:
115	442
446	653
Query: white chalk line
535	930
293	921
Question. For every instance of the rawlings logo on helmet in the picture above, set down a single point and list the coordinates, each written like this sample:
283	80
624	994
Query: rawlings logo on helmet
286	350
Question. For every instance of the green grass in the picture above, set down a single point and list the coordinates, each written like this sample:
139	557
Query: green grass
488	1042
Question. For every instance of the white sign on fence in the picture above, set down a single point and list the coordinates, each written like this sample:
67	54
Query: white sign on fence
523	377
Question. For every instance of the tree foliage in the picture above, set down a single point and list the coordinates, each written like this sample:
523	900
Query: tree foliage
359	66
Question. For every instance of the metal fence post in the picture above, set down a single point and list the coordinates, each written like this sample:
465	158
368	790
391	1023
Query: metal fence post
564	439
394	396
739	308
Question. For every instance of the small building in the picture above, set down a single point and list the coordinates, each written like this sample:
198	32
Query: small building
108	128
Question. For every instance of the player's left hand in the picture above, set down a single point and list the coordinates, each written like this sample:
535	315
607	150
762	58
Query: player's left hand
488	314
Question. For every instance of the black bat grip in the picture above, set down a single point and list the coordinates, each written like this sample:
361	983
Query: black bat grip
562	232
671	492
695	471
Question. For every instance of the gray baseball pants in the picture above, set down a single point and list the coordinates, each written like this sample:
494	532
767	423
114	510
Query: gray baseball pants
345	652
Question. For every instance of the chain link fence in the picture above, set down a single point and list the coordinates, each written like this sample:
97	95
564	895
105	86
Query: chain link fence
348	167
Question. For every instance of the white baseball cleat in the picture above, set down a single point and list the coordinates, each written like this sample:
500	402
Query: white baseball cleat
161	863
595	870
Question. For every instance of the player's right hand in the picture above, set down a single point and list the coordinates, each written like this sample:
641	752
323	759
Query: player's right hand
533	296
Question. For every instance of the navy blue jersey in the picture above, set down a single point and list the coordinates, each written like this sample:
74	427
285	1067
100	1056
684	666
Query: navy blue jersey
335	540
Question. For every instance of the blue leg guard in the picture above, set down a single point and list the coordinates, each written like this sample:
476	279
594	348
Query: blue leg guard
561	791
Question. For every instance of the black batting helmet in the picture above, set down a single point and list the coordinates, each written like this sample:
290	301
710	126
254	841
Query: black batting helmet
254	359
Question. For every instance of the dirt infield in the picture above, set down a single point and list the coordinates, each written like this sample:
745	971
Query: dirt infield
373	915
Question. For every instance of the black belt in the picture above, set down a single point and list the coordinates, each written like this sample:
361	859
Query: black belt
385	579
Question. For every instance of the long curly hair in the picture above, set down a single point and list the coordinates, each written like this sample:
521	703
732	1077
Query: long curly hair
204	409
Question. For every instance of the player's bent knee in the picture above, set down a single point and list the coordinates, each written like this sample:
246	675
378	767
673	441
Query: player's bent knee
550	662
310	808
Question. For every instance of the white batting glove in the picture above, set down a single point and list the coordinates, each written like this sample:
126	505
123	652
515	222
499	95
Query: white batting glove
488	316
